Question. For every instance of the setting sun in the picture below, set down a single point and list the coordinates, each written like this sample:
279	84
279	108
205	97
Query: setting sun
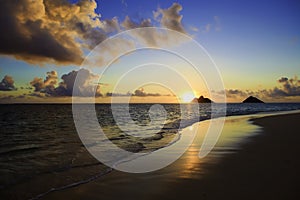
187	97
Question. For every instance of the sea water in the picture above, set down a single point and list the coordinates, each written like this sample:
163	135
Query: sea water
40	148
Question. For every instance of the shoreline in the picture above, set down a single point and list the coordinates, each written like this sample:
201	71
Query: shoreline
240	133
240	175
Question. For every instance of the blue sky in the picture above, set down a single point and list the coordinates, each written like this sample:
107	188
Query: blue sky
254	43
257	41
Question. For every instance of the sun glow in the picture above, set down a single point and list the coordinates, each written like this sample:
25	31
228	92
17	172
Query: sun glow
187	97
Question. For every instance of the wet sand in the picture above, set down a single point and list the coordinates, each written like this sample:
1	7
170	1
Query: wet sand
248	163
266	167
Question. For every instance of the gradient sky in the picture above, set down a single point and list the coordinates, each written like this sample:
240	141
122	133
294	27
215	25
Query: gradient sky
255	44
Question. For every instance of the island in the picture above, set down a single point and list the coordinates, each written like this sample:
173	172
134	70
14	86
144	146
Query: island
252	99
202	99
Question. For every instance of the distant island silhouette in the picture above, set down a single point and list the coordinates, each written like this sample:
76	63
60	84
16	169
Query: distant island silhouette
202	99
252	99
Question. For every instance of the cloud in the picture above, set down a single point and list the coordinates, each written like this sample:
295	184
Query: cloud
124	3
59	32
130	24
141	93
288	88
217	23
146	36
47	85
283	79
51	31
85	85
81	83
193	28
214	25
207	28
110	94
170	17
38	84
235	92
7	84
6	98
149	36
167	18
39	95
137	93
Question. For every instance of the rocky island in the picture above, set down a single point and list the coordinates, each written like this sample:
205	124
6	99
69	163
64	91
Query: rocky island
252	99
202	99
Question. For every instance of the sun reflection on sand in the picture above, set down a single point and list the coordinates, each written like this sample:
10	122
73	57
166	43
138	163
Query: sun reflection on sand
235	131
191	164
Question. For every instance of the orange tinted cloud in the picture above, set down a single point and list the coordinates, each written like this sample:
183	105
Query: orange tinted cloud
57	31
51	31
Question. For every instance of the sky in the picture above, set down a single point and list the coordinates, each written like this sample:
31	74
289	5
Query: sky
254	45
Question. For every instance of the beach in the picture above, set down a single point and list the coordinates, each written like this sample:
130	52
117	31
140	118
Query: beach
262	163
164	100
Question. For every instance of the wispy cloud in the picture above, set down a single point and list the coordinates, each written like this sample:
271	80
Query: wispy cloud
232	93
137	93
217	23
207	28
193	28
141	93
214	25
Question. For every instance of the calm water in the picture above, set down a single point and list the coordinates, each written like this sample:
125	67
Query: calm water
39	145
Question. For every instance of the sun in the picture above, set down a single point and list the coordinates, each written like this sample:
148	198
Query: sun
187	97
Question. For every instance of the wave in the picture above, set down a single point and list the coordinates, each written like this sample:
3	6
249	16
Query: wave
74	184
54	140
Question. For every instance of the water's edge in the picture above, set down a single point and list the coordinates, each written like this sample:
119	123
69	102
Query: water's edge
249	118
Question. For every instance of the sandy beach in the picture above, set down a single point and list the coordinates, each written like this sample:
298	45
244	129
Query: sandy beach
149	100
260	163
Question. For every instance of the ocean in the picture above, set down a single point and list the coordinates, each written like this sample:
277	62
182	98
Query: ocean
40	150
